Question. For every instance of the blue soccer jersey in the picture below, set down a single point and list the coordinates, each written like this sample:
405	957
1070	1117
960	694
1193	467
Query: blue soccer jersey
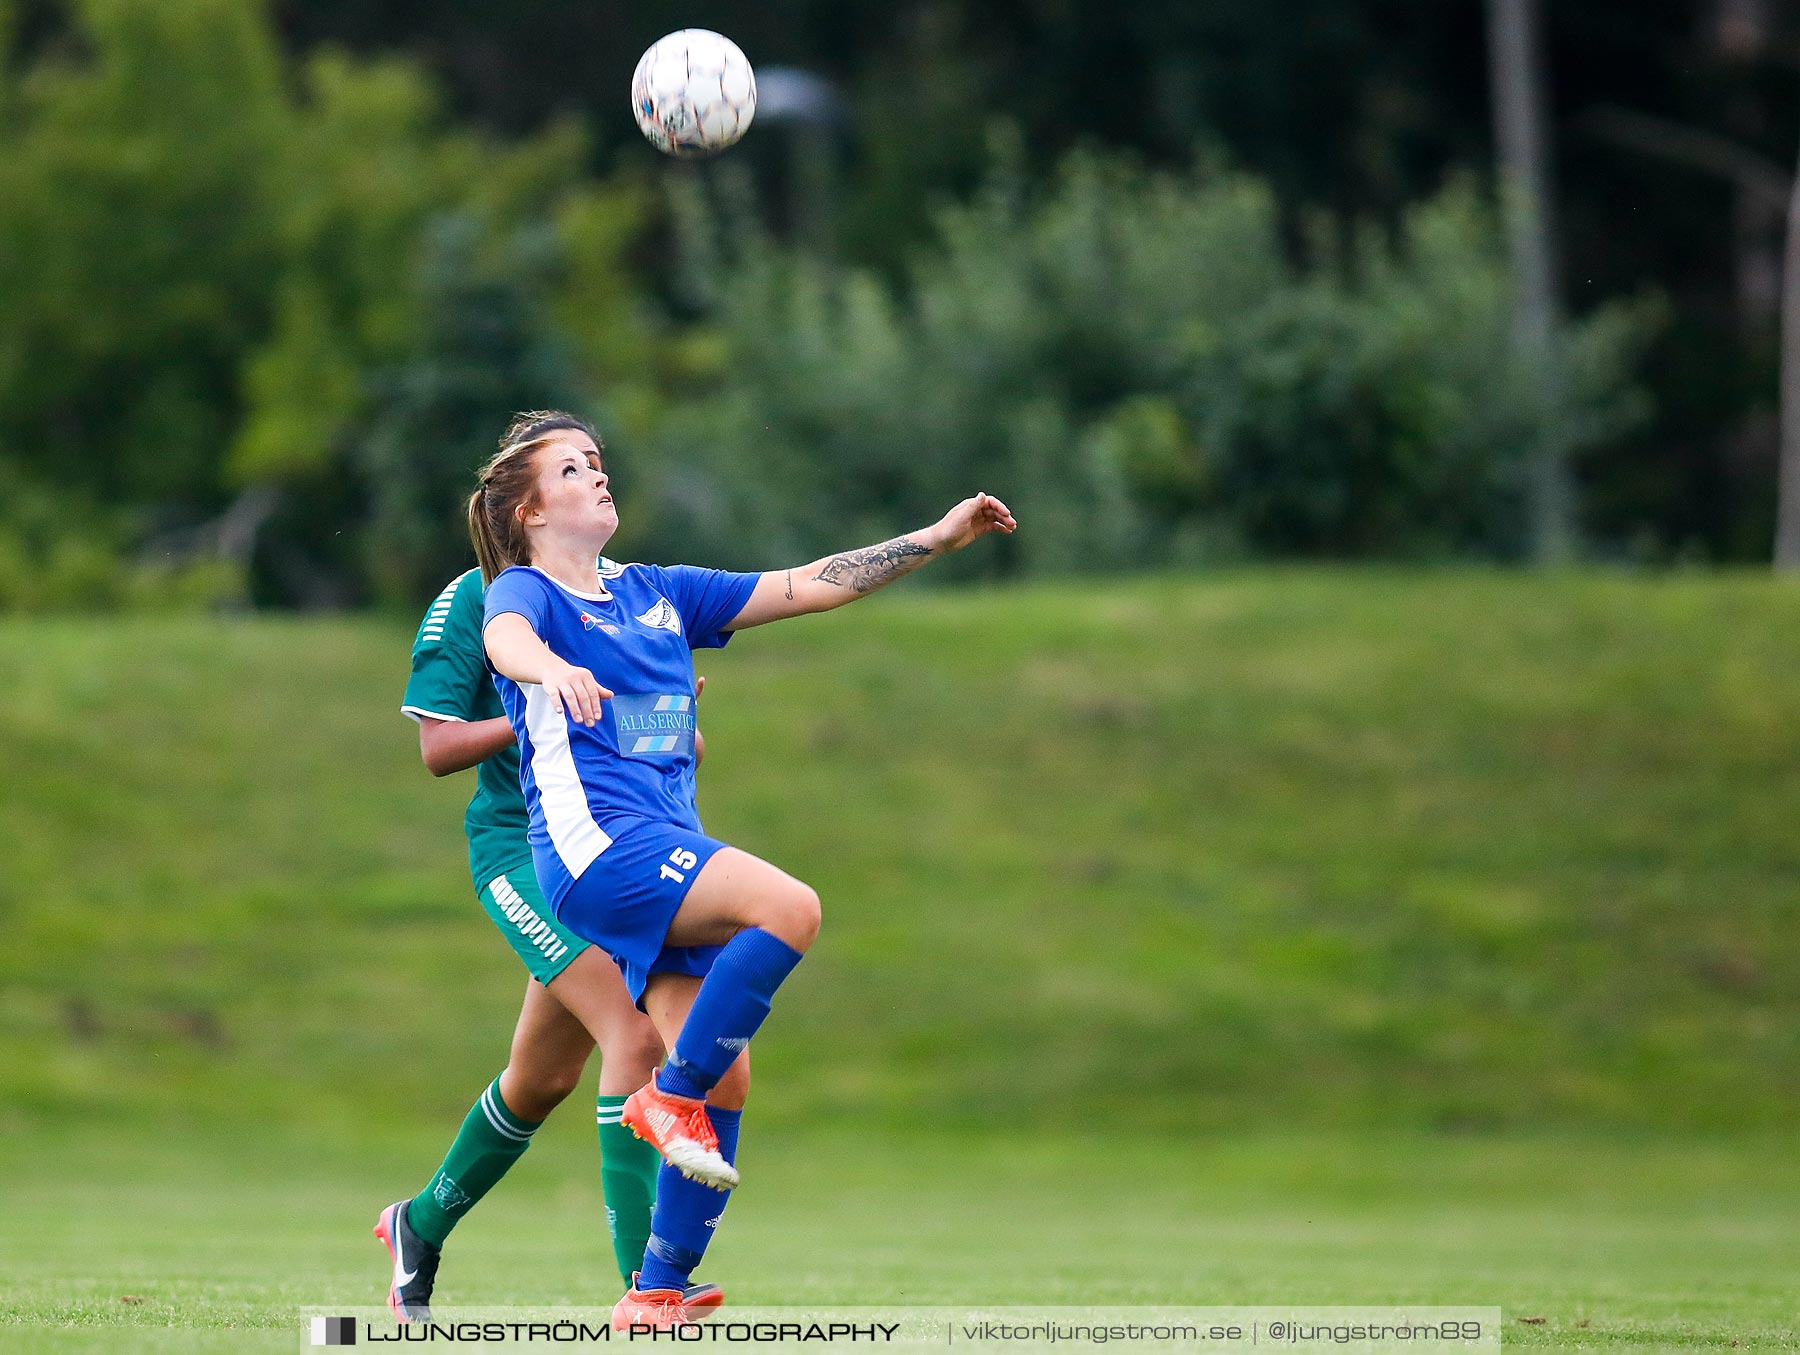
585	786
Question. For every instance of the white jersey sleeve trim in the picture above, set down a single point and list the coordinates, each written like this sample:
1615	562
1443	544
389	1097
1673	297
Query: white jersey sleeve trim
568	819
417	713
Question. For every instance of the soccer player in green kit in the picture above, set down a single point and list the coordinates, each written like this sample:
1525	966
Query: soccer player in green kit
574	1000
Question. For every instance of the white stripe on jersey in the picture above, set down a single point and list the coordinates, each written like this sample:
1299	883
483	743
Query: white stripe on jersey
420	713
439	614
577	838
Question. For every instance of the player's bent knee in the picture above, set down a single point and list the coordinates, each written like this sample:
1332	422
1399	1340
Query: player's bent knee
534	1094
793	915
640	1048
812	914
556	1087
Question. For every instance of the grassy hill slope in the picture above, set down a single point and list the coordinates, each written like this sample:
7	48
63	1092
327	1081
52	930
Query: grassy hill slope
1322	849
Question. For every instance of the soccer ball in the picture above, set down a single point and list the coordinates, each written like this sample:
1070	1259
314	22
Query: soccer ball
693	93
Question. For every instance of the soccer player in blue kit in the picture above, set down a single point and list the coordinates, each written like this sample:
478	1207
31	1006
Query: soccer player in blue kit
595	669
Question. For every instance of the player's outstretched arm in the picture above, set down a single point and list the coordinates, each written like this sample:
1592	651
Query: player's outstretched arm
837	579
515	649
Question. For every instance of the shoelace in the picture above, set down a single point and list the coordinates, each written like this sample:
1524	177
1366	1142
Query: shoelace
689	1114
698	1125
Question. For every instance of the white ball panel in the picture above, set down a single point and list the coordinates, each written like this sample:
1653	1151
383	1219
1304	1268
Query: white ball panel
716	124
668	76
693	92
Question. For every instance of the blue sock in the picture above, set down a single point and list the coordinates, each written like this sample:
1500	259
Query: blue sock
686	1214
731	1004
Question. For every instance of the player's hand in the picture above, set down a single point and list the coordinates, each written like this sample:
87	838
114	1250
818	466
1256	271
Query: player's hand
574	691
973	518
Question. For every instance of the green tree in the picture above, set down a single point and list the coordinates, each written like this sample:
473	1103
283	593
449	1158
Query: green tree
224	275
1132	359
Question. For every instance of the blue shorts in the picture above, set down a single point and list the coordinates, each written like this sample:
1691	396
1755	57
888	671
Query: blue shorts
625	901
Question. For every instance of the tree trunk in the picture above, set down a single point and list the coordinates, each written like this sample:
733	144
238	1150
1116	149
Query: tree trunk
1516	76
1787	502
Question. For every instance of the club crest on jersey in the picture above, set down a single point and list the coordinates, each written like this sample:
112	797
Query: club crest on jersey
662	617
595	623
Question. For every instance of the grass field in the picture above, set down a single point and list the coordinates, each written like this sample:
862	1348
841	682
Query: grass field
1617	1245
1441	925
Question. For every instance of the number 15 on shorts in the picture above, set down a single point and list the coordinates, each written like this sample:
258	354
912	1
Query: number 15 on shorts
680	862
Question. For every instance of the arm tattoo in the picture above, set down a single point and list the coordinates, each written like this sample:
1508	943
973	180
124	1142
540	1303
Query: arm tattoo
867	569
790	585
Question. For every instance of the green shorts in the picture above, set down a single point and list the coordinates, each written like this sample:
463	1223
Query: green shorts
516	904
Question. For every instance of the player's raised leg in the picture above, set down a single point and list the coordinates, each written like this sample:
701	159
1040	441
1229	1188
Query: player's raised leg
765	919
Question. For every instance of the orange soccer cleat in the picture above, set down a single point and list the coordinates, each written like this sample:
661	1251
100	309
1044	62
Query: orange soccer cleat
661	1309
699	1298
679	1129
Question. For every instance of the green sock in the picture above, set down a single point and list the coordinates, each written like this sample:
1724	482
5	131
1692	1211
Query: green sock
490	1141
628	1169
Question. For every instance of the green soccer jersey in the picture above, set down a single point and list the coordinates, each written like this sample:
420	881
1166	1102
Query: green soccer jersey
450	681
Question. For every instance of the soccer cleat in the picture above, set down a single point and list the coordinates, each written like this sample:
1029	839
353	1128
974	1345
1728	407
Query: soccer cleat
700	1298
696	1298
678	1128
658	1308
415	1265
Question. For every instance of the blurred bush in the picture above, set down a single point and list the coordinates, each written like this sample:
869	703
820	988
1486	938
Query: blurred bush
263	318
275	313
58	554
1135	360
